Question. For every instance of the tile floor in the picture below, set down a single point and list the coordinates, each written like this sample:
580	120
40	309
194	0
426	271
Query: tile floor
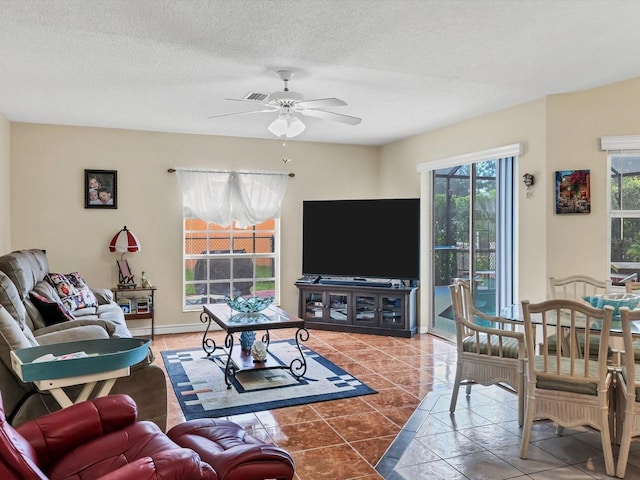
405	431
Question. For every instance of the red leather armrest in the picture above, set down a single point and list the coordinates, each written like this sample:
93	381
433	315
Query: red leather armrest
232	453
177	464
57	433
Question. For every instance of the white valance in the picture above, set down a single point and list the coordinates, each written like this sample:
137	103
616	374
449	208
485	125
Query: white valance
620	143
465	159
222	197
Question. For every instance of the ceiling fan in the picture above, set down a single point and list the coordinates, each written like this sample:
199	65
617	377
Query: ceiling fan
287	104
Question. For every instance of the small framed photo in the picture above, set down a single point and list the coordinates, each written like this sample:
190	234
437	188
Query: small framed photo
100	189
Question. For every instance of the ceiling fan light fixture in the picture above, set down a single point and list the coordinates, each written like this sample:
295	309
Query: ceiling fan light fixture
287	125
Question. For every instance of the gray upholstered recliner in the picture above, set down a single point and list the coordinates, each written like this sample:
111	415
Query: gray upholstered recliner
22	325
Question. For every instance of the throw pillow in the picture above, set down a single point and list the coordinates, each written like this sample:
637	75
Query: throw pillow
73	290
52	312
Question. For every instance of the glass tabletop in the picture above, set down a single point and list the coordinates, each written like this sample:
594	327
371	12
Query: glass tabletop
514	312
270	318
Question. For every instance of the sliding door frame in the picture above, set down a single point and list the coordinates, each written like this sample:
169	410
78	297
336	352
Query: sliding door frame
426	169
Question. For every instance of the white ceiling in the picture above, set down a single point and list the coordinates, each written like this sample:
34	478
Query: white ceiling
403	66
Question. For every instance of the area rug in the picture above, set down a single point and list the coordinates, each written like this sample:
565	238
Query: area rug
198	382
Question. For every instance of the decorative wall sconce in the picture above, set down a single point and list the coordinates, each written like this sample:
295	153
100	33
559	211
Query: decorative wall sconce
528	180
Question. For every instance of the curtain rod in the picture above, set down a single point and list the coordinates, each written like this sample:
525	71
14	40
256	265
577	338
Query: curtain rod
173	170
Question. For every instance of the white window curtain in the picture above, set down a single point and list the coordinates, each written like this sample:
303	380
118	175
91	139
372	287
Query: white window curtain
246	198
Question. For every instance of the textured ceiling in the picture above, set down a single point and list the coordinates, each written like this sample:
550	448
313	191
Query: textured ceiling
403	66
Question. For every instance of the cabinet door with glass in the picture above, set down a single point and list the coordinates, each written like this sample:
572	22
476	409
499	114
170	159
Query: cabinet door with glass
379	310
392	311
313	305
366	309
338	304
327	306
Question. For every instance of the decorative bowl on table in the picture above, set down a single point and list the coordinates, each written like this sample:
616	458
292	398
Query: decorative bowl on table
616	300
248	305
246	318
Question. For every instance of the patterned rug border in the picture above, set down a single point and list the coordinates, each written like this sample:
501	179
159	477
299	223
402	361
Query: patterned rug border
177	375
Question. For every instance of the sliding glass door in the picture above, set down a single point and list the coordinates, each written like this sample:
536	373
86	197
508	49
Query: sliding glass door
468	211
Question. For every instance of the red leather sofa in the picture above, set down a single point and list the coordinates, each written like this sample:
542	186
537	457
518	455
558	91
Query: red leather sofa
101	439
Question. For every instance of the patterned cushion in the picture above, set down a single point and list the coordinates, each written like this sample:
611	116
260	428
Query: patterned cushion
564	385
52	312
594	342
636	351
509	345
73	290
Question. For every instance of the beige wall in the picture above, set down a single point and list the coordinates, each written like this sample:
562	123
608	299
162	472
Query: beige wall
47	164
522	124
559	132
5	184
575	124
48	211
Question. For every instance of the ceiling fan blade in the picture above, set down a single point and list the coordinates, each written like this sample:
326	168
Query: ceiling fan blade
265	110
338	117
322	103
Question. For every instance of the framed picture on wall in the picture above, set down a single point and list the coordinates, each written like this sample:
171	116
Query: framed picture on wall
100	189
573	191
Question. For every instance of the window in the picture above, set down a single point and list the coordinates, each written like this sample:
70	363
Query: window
624	216
228	261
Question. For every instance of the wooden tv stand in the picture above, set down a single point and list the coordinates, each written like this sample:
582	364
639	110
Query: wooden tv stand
359	309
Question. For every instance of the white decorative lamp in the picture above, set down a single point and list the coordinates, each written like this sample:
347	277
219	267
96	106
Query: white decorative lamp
124	241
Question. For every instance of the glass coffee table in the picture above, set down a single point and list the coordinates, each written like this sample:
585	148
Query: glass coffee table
271	318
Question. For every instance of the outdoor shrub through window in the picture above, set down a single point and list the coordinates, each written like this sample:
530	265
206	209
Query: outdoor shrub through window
228	261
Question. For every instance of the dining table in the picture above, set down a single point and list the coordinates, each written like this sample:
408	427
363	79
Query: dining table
514	312
616	342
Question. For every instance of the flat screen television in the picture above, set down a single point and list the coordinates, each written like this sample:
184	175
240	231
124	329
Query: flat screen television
377	238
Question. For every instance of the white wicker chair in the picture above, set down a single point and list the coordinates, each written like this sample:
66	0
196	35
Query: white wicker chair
628	387
577	286
568	386
502	364
632	287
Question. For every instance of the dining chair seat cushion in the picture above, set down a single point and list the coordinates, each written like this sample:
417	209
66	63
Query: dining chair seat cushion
510	345
594	344
549	382
636	351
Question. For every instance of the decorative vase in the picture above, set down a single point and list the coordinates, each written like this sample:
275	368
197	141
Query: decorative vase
246	340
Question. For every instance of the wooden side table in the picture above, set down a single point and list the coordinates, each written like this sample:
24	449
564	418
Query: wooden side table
134	314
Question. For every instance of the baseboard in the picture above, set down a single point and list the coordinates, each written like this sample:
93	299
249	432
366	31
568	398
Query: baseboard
168	329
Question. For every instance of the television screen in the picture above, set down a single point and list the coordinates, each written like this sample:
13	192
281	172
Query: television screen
362	238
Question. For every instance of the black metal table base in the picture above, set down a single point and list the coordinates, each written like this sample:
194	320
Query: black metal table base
297	367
